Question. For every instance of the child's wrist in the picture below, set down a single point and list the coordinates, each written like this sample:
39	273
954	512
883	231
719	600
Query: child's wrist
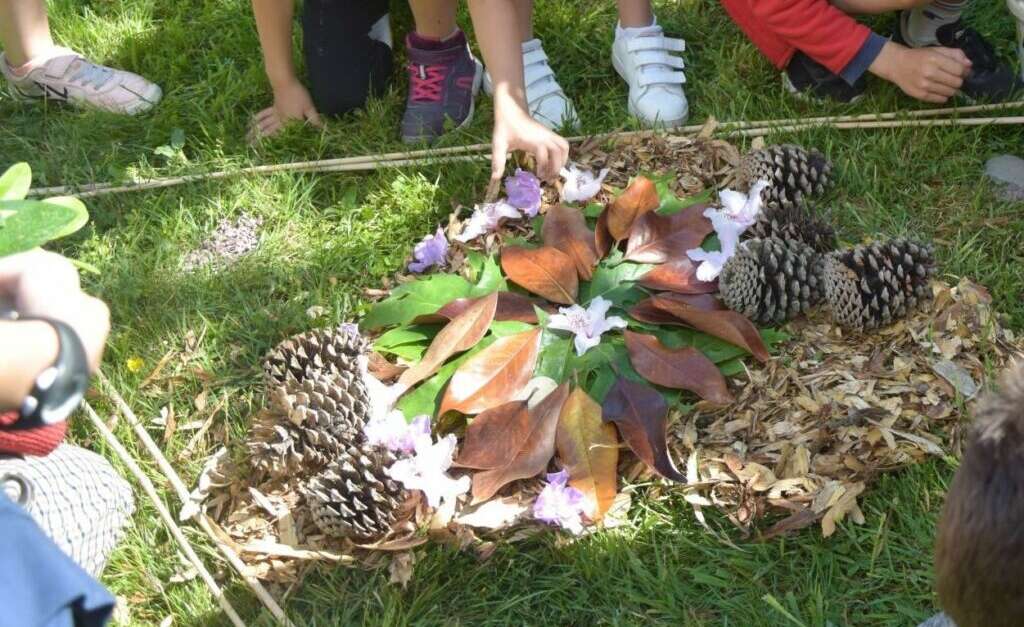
885	64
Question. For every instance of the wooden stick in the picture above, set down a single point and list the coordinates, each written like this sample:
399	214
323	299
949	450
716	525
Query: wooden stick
760	132
165	514
183	495
480	151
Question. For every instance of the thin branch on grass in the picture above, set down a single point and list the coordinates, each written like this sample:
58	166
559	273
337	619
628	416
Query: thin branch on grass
165	514
183	495
995	121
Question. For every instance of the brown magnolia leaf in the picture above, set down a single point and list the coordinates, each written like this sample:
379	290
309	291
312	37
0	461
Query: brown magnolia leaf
645	311
461	334
602	238
494	375
700	302
641	413
680	368
533	456
727	325
678	275
589	450
511	307
638	199
656	238
565	229
545	271
493	437
382	369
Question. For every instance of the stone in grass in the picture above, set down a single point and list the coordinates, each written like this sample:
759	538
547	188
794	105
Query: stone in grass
1008	173
939	620
228	242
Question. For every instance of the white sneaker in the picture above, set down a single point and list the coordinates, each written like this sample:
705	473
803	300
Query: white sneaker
642	57
69	77
545	98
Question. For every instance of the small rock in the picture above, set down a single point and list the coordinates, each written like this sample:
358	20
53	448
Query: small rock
228	242
1008	173
939	620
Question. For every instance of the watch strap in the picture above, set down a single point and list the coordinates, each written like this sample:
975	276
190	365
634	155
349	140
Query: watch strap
60	388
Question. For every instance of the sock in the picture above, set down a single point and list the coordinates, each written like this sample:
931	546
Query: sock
621	32
919	25
420	42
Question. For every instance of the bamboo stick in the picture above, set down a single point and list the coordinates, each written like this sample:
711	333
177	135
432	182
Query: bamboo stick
480	151
995	121
183	495
165	514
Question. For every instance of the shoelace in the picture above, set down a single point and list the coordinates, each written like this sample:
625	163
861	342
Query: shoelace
426	82
91	73
978	50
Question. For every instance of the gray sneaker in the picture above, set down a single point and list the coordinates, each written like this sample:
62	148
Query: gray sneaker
442	86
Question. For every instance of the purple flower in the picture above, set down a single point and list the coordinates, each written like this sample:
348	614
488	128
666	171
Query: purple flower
523	189
393	432
432	251
559	504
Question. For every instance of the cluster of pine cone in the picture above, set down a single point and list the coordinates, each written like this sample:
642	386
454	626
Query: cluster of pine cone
313	429
789	262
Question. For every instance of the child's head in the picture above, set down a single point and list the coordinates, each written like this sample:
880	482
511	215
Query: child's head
979	555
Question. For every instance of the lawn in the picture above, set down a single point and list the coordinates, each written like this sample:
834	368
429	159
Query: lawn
328	237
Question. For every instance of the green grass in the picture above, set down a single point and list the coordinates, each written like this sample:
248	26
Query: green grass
327	237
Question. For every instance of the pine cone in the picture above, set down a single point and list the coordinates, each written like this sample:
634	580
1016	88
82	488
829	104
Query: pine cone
792	172
771	280
795	223
323	351
309	423
871	286
353	497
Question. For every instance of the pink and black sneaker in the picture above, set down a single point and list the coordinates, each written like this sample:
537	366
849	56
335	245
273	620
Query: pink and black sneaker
444	79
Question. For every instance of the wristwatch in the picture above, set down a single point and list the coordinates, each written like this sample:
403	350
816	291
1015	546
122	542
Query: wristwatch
61	387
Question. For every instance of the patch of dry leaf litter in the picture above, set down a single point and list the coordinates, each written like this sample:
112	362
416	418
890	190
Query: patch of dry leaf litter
810	431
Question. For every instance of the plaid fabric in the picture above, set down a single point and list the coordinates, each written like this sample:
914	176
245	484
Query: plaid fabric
76	497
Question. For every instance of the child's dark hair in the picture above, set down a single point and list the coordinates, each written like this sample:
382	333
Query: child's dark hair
979	554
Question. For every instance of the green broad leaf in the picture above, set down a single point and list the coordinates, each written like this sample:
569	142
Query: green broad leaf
603	382
505	328
774	337
402	336
177	139
426	398
555	352
409	352
593	210
417	298
490	278
15	182
32	223
542	316
475	262
609	279
670	203
732	368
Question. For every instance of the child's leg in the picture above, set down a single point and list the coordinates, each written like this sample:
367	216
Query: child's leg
435	19
24	30
635	13
645	59
524	16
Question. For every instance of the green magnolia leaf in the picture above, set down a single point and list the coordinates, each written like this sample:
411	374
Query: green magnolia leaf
505	328
593	210
607	280
555	351
426	398
34	223
417	298
670	203
15	182
603	382
406	342
490	278
411	353
732	368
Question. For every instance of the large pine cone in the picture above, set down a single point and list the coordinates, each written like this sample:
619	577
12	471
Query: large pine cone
353	497
795	223
323	351
309	423
793	174
770	281
872	286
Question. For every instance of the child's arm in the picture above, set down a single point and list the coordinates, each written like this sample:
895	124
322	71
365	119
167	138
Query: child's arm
514	129
291	98
929	74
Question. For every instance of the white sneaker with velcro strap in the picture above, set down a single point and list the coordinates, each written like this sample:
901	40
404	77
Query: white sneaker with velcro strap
545	98
644	58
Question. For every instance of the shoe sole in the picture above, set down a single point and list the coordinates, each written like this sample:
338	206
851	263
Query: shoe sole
617	64
478	78
151	100
806	97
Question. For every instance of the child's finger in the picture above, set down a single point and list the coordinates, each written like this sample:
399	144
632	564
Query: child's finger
263	115
313	117
543	163
499	152
955	54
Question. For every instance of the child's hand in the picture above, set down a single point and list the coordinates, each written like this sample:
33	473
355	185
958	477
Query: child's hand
514	129
929	74
291	102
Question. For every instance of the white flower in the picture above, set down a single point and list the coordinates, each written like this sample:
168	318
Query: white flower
485	219
587	324
580	185
395	433
738	212
426	471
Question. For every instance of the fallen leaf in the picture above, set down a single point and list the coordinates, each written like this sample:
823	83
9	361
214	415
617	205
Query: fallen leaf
640	413
602	238
637	200
697	312
589	450
545	271
794	522
532	457
678	275
680	368
382	369
565	229
461	334
493	437
496	514
645	311
511	307
655	238
494	375
959	378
